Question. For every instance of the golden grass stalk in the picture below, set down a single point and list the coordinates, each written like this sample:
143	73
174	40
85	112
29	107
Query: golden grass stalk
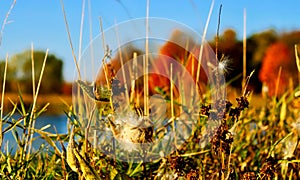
145	86
146	78
244	50
278	81
122	68
171	90
172	105
245	85
203	40
32	70
70	39
2	99
32	114
297	62
133	78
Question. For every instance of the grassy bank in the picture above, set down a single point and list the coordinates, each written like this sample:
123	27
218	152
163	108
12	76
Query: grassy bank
57	103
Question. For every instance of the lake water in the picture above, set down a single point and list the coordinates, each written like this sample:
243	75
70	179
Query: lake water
58	123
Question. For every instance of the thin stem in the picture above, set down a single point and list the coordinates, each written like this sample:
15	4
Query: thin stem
70	39
32	70
133	78
122	68
172	107
297	62
91	36
203	40
218	31
244	51
107	55
146	79
87	129
5	20
81	29
278	81
32	121
2	99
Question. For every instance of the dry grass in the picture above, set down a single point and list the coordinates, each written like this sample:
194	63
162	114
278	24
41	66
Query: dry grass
57	103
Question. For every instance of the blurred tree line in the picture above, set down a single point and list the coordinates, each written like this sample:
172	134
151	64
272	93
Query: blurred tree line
19	73
266	52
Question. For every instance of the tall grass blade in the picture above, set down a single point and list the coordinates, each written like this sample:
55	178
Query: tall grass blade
32	70
33	114
70	39
244	50
2	100
203	41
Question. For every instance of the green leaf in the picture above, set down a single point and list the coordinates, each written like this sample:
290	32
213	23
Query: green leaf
46	137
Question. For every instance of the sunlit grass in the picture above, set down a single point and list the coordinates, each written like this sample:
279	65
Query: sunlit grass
251	142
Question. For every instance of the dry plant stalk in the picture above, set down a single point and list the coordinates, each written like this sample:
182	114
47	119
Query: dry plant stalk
5	20
32	70
2	99
70	39
32	114
146	68
81	29
202	42
122	69
91	35
278	81
244	50
5	69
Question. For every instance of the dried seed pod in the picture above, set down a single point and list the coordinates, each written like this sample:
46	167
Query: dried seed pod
139	132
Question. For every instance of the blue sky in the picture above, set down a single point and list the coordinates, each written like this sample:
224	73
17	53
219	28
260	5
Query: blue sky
41	22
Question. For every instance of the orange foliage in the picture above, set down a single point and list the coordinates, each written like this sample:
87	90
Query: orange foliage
276	56
180	48
180	51
184	51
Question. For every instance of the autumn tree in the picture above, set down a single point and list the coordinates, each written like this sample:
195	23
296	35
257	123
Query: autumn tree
278	55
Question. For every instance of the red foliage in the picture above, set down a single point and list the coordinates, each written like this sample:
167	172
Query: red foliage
276	56
180	51
180	48
67	89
